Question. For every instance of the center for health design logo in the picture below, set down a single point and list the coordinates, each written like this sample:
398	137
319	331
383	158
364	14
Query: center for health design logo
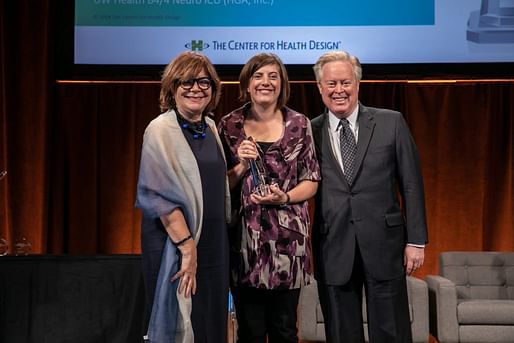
197	45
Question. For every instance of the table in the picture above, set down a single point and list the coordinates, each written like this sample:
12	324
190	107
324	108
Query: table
72	299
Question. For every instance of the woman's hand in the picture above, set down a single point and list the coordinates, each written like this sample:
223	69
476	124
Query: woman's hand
187	272
303	191
276	196
247	151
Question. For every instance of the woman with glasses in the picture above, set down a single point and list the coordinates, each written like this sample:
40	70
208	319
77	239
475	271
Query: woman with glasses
183	193
272	172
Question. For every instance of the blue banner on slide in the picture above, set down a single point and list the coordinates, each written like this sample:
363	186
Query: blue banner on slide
230	13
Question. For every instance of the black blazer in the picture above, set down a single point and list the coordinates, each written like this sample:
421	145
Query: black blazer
368	212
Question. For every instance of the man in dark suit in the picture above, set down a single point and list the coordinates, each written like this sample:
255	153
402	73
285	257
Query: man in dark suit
362	236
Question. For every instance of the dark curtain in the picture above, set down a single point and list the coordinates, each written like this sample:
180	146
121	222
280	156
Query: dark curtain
26	92
72	149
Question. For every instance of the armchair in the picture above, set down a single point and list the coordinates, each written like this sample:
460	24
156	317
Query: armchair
472	300
311	323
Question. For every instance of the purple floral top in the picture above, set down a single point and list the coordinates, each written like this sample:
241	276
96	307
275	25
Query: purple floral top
273	249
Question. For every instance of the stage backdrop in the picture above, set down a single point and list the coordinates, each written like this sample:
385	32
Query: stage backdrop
72	149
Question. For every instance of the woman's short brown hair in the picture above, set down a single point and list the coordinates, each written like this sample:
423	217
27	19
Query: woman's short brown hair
255	63
183	67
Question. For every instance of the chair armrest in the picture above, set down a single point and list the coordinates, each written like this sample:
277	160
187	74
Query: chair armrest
442	297
418	300
307	312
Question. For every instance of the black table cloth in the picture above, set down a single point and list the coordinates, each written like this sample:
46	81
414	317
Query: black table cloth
71	299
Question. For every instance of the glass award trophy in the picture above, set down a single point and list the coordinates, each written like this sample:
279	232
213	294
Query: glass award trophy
259	176
493	23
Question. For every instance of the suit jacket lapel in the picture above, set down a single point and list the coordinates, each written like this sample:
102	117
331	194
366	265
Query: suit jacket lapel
366	127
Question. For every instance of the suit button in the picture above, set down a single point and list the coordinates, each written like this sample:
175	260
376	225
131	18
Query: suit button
352	221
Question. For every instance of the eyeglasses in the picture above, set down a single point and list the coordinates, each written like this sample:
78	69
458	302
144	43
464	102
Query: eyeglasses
333	84
203	83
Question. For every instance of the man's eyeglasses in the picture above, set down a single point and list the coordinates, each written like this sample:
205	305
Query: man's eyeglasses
203	83
333	84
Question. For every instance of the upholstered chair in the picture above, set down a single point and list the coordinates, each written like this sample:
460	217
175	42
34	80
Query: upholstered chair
472	298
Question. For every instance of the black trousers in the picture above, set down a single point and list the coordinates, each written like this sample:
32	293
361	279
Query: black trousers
265	313
387	308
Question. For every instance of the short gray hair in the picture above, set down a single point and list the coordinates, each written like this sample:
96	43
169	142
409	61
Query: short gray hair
334	56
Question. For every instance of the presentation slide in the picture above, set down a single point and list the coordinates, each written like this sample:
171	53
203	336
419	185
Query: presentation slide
152	32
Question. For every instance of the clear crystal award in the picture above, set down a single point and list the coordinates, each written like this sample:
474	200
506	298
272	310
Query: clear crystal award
260	186
259	175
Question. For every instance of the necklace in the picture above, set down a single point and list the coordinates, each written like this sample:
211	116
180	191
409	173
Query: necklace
196	128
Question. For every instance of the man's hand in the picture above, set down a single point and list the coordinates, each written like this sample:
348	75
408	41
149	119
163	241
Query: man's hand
413	258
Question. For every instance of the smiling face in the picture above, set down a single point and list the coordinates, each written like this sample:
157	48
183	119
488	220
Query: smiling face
339	88
265	85
191	103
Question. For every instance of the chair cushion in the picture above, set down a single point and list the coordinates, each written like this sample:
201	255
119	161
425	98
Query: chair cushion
480	275
483	312
486	333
